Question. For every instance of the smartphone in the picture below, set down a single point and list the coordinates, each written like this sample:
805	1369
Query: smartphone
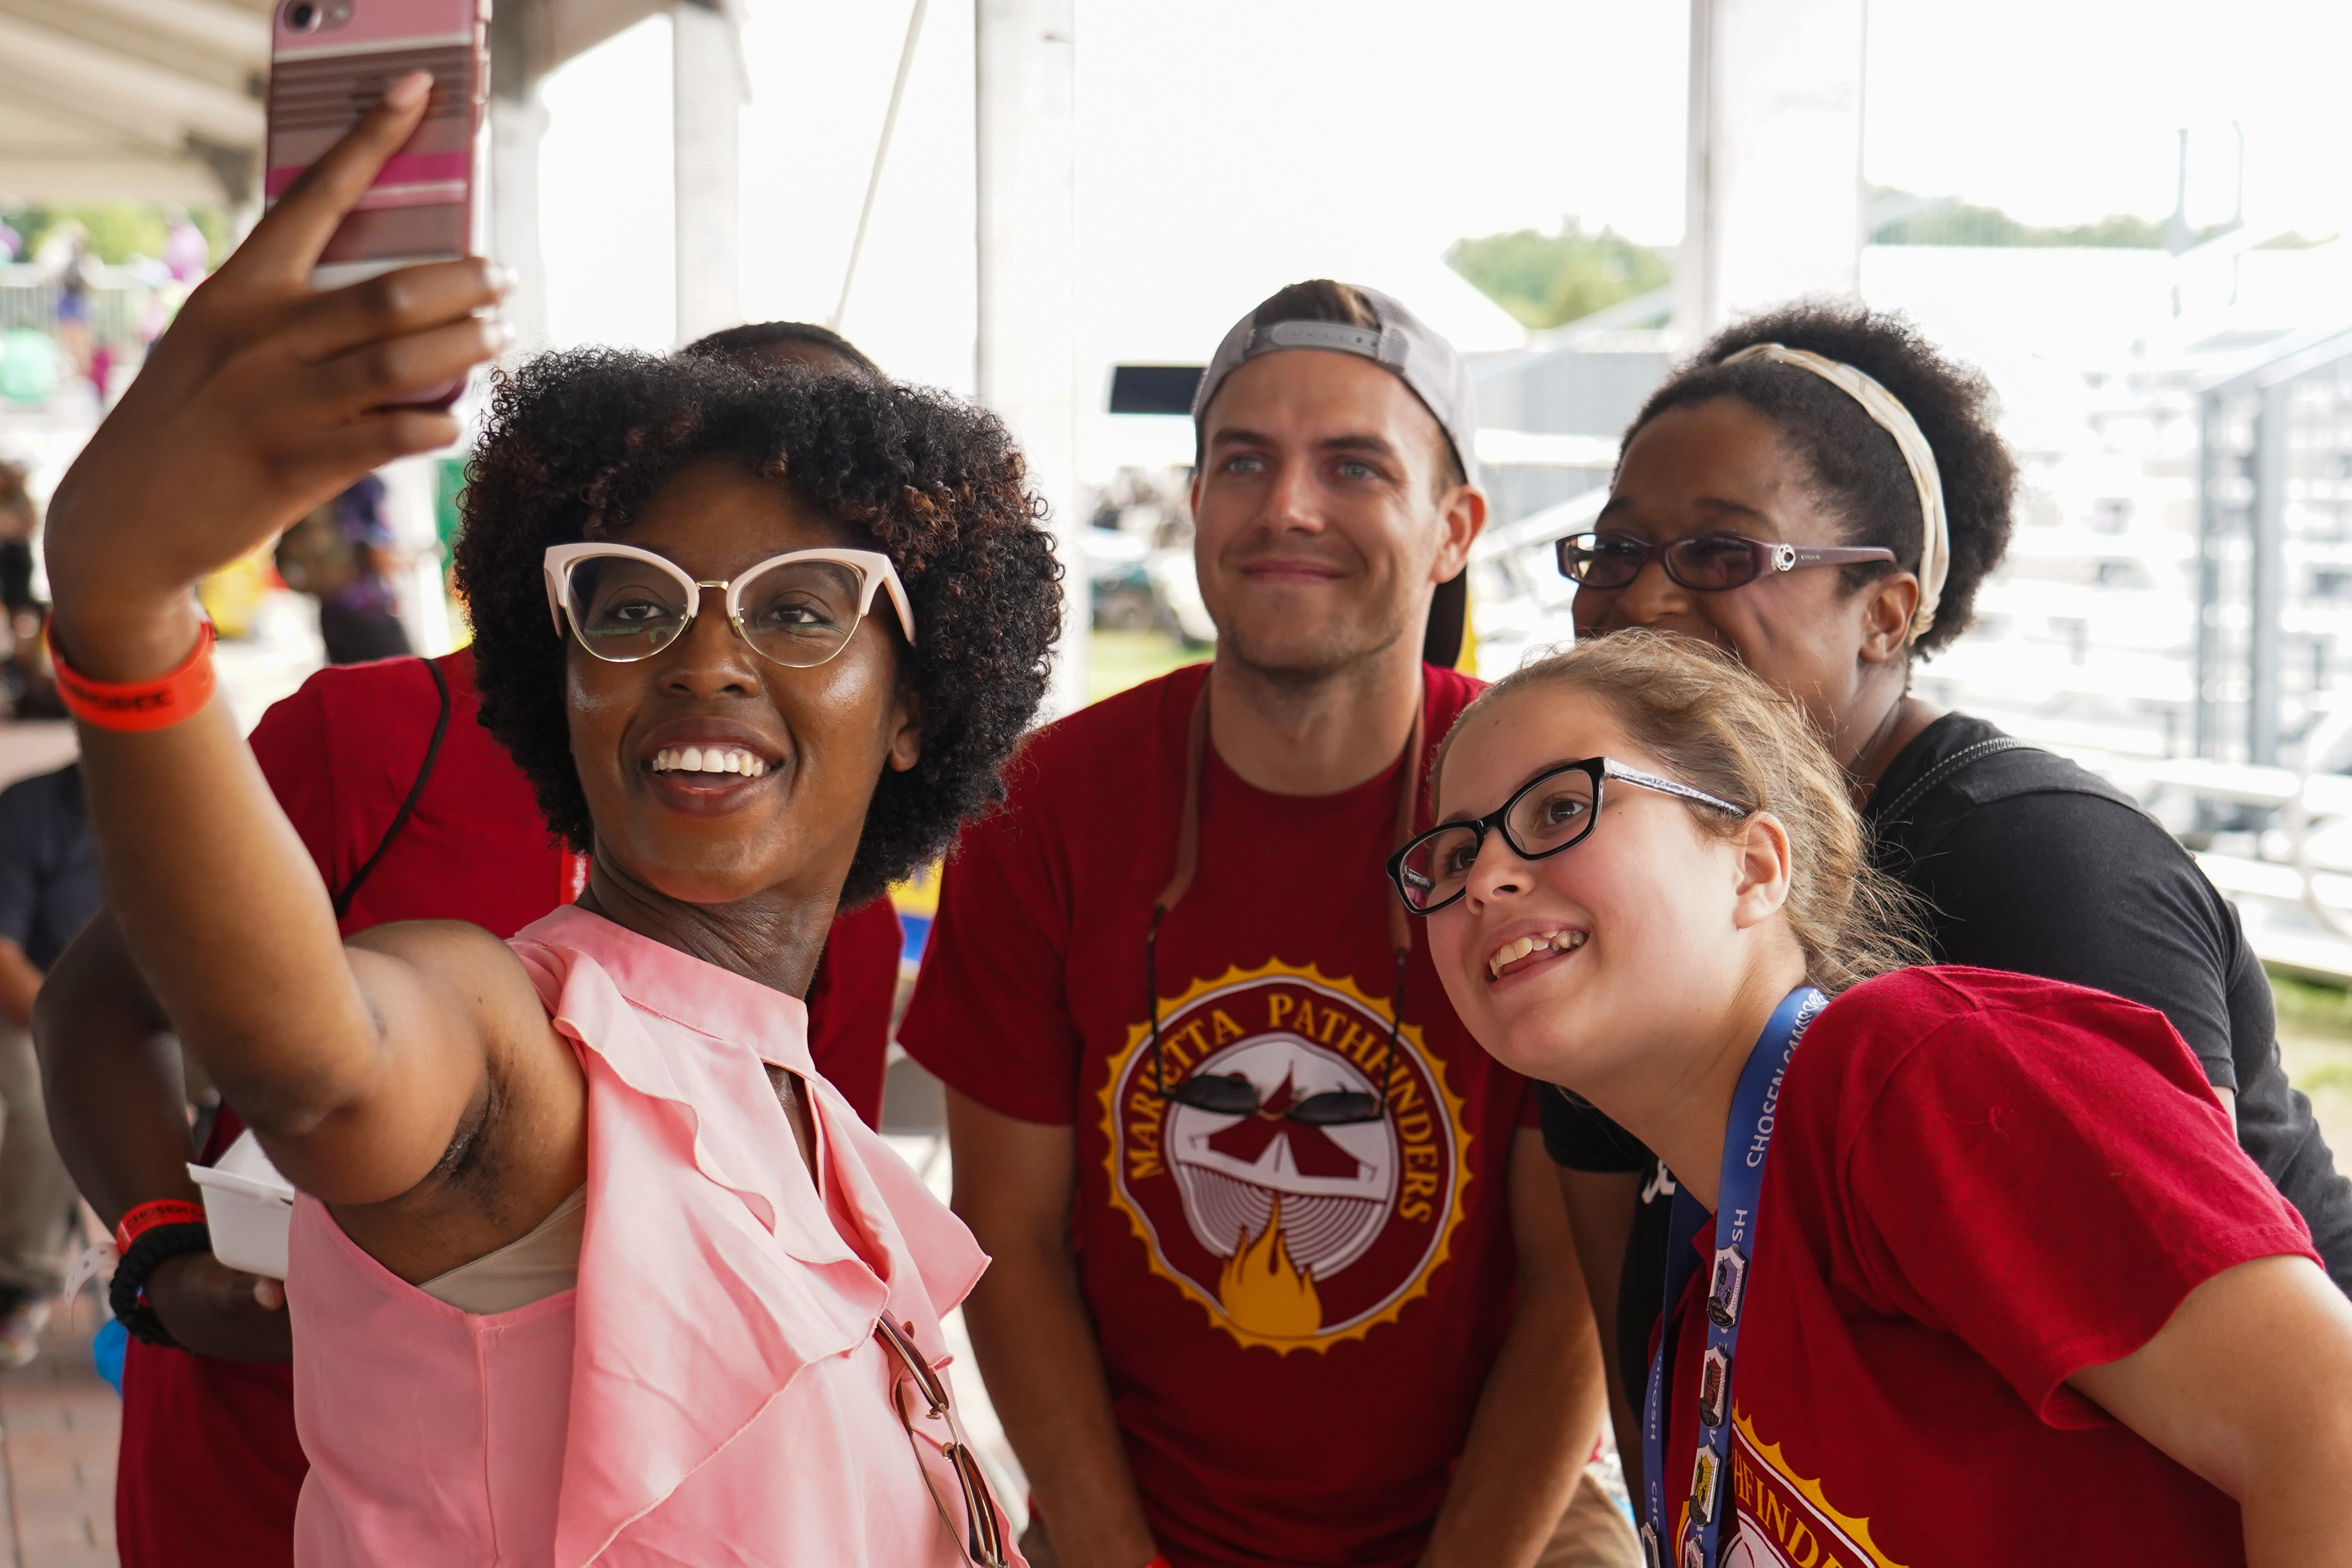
330	63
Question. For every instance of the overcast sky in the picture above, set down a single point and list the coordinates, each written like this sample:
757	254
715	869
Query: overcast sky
1229	146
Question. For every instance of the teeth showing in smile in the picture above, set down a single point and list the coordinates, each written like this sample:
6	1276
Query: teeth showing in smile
1512	952
709	759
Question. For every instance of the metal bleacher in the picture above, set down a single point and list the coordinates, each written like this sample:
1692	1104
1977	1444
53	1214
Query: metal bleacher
2272	706
2175	612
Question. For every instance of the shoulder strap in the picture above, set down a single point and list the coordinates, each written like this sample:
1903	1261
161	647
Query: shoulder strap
408	807
1958	762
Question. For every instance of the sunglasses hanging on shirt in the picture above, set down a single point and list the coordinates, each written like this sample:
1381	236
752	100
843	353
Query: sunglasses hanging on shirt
1230	1093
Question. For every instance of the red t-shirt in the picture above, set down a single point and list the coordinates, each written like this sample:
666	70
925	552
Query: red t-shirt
209	1466
1296	1322
1918	1300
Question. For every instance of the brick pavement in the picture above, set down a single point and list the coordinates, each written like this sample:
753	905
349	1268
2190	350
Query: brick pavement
58	1427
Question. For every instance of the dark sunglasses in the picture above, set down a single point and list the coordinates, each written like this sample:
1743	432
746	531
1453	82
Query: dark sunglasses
1705	563
1231	1094
926	1410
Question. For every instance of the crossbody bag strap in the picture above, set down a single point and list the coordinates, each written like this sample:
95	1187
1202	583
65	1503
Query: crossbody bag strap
408	807
1958	762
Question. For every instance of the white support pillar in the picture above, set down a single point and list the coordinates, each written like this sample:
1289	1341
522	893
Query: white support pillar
518	126
707	73
408	506
1774	206
520	54
1027	364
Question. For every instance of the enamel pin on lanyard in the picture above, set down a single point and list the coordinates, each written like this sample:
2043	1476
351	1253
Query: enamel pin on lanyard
1746	1142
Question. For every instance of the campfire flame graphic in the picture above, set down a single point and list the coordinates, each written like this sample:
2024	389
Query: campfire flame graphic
1263	1291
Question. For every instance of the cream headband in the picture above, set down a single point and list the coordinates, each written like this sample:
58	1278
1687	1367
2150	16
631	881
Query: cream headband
1936	551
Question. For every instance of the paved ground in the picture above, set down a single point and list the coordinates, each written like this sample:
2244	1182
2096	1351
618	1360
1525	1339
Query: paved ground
58	1424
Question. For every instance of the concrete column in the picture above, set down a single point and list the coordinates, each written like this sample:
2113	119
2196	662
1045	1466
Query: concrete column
708	118
2266	592
1774	206
1027	359
518	125
2206	730
521	52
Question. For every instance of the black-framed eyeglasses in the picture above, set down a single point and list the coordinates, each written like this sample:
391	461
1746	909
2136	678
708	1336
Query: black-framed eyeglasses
1554	810
1704	563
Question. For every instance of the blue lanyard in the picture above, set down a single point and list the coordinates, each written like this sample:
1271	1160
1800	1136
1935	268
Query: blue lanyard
1745	1141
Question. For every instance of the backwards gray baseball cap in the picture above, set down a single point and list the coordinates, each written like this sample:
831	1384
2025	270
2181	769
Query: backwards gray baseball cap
1402	344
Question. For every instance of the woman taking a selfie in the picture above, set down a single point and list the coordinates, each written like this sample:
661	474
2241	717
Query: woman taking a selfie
1885	1344
1843	435
588	1263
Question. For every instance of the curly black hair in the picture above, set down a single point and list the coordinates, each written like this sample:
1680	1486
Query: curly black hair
1857	470
577	442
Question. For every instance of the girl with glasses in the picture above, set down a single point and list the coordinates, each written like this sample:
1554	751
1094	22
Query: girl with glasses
1884	1344
1820	492
588	1263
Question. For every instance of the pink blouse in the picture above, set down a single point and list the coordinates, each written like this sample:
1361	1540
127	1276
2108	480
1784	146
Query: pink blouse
711	1392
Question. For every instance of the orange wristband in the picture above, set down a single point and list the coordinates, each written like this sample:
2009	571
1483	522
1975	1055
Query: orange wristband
138	705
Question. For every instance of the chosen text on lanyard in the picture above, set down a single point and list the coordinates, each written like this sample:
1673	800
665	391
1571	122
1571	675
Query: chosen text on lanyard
1755	1107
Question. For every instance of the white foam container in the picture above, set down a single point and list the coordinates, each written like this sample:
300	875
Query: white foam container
250	1207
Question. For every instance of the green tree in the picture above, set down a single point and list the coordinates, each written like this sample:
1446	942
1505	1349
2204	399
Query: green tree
1964	224
121	230
1546	280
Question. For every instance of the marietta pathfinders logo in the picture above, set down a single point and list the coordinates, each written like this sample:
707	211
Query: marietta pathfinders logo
1785	1520
1291	1234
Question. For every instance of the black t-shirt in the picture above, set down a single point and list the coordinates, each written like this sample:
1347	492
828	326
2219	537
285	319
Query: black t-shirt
49	884
2030	863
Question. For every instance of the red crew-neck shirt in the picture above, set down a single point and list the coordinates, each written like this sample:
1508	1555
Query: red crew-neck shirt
1916	1300
209	1466
1296	1322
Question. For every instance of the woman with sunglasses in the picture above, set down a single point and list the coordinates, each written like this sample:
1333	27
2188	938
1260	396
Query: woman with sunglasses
588	1263
1884	1346
1820	493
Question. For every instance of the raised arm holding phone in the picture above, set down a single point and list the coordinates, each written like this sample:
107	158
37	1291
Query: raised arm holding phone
715	625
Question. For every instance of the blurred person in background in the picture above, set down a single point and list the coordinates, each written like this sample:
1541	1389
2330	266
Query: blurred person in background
410	810
1281	1272
1820	492
64	252
20	519
187	254
760	346
343	556
49	888
28	681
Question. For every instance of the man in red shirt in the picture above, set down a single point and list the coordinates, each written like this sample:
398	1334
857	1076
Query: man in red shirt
209	1466
1277	1280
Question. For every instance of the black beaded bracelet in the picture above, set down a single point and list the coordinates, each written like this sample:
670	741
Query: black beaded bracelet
128	1295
